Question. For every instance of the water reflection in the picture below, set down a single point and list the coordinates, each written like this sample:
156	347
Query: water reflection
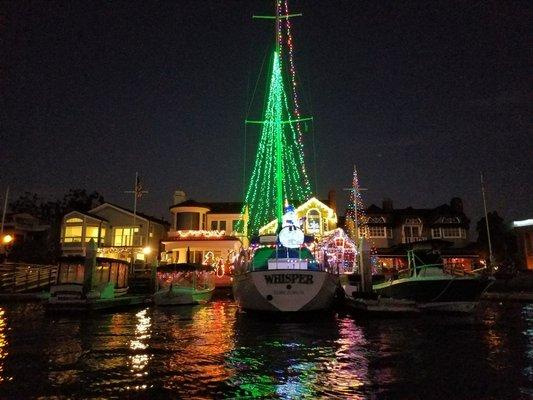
3	345
138	345
297	359
214	351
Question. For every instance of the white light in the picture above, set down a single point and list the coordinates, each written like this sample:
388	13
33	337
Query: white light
147	250
525	222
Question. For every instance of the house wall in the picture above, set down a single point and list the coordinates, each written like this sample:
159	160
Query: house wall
227	218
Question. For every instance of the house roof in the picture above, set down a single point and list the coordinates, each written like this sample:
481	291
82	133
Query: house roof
214	208
88	214
139	214
429	216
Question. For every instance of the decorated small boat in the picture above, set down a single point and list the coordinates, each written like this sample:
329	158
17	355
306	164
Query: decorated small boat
184	283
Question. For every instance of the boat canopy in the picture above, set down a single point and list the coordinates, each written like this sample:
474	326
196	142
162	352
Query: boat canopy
183	267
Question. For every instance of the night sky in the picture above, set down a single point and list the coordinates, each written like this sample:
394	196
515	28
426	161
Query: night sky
420	95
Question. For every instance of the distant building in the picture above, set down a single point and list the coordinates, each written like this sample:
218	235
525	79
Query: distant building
24	227
203	233
115	231
391	232
524	235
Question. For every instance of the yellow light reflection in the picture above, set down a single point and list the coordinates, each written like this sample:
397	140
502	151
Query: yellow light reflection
139	362
3	344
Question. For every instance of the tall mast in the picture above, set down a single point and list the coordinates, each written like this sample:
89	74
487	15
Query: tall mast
279	168
491	256
279	131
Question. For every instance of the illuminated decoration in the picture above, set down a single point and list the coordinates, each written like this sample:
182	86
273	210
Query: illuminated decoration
356	218
327	216
291	235
339	250
524	222
279	170
197	234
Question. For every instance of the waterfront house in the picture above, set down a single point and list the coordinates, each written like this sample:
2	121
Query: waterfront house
203	232
524	236
392	231
117	232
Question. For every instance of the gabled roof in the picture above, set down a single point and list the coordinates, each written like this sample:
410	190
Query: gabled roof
138	214
88	214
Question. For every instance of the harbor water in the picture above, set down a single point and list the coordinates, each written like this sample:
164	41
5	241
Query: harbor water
217	352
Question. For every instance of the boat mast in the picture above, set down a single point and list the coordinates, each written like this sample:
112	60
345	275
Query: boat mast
279	169
491	256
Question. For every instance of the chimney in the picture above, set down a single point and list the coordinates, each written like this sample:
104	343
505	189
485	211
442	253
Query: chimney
456	205
179	197
332	200
387	204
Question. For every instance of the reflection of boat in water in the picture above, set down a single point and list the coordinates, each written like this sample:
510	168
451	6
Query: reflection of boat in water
428	284
184	283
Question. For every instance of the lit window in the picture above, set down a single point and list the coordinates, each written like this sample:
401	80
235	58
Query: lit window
451	232
411	231
376	231
72	234
91	232
313	221
123	237
73	220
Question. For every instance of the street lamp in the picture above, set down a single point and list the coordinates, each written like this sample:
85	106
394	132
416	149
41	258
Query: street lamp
7	239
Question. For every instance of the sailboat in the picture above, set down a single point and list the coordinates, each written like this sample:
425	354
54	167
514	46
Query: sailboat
281	272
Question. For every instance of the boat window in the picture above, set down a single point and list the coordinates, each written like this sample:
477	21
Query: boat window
101	274
214	225
70	273
113	277
122	276
222	225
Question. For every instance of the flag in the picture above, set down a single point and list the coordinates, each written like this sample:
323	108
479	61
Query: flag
138	188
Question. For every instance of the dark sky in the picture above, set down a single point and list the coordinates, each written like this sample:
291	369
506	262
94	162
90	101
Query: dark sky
421	95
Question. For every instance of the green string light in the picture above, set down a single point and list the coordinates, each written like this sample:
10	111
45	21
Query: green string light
271	182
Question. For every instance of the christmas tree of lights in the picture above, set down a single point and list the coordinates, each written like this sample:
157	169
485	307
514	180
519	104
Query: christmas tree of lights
279	172
356	210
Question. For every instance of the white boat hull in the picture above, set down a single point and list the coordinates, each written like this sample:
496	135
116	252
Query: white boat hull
285	290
